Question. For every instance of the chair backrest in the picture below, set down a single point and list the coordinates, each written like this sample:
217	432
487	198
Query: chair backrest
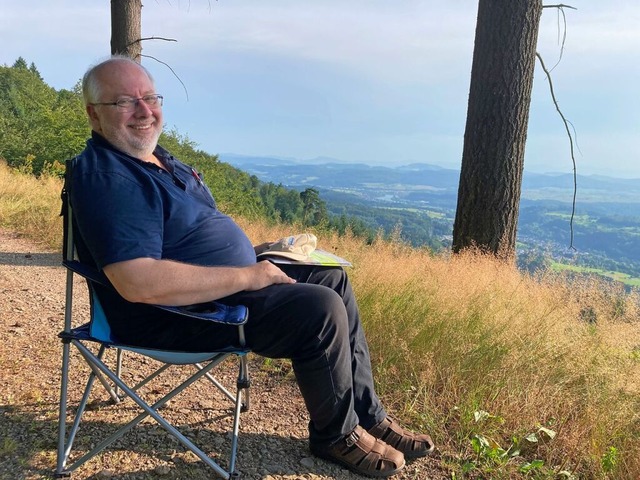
99	327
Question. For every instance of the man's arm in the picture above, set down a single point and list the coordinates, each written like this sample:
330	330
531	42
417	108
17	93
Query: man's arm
165	282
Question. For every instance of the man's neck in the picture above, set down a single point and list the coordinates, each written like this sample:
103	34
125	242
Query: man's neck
151	158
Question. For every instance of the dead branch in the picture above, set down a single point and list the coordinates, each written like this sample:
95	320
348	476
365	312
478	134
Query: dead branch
560	8
172	71
573	159
561	5
154	38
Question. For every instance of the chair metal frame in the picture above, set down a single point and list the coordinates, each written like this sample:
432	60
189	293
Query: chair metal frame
97	331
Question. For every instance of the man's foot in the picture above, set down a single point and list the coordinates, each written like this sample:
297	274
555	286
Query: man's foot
362	453
412	445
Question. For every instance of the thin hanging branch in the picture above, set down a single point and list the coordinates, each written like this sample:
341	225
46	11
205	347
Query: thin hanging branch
573	159
560	8
172	71
160	61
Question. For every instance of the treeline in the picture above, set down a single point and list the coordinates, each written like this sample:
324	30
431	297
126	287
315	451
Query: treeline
41	127
411	226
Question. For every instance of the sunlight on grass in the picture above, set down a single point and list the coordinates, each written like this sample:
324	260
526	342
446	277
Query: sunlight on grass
30	206
513	375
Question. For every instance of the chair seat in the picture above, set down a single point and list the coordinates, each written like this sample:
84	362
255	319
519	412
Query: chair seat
173	357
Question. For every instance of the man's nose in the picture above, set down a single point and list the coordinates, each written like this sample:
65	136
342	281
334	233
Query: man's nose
142	108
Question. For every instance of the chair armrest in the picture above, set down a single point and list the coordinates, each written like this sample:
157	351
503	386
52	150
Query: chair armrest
87	272
214	312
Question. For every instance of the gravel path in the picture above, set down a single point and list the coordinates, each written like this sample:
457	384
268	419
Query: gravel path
273	441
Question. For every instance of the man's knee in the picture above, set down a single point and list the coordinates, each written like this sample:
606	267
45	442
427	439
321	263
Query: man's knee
325	313
334	278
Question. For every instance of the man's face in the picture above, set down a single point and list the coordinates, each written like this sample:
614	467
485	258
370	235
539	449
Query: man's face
135	132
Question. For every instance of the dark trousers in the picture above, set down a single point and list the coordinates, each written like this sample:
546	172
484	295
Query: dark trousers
314	322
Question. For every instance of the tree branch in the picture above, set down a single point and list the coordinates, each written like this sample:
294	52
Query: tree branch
154	38
172	71
561	5
573	159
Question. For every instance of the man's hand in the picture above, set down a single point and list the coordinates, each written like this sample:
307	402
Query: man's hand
266	273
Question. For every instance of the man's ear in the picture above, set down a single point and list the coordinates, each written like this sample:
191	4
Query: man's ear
94	119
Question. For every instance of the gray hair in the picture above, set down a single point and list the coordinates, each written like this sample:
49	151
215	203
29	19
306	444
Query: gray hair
91	83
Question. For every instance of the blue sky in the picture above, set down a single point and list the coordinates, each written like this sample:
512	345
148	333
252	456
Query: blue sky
371	81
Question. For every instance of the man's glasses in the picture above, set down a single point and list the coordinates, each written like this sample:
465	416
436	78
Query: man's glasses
130	104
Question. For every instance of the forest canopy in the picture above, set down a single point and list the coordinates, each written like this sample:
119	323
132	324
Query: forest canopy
41	127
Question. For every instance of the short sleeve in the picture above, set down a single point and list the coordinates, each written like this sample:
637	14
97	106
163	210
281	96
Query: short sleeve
119	216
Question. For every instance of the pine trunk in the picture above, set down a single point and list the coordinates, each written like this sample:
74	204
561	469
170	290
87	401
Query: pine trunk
126	28
496	129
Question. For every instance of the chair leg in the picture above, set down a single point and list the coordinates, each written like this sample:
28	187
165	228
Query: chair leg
244	381
62	414
242	391
218	385
149	410
98	374
65	447
118	368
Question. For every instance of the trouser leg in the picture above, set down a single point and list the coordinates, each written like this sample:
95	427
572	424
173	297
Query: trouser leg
308	324
367	405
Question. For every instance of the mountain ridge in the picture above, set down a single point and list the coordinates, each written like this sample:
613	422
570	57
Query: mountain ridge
296	172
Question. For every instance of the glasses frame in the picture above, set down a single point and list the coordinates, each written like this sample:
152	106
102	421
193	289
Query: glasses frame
130	104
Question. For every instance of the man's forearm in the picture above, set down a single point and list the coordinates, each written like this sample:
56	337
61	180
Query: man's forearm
165	282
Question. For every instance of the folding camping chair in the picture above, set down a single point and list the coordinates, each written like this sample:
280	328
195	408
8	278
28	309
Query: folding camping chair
98	332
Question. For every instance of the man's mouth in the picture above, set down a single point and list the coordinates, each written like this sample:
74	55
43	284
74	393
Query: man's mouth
141	127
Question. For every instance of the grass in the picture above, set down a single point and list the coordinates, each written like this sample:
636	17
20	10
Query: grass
515	376
30	206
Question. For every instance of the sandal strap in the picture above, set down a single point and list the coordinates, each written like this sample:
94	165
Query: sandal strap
413	445
364	454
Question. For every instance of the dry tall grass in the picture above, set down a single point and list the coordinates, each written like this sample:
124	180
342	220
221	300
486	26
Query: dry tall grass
30	206
468	347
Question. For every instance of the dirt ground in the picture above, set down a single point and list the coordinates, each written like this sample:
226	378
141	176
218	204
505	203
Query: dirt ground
273	433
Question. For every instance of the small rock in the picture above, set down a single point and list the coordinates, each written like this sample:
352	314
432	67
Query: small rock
162	469
307	462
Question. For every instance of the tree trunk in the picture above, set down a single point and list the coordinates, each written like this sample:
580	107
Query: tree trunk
126	28
496	130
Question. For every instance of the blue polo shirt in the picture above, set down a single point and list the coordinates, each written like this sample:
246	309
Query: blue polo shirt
125	208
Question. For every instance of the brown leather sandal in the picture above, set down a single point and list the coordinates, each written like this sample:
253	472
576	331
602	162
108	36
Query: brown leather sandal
363	454
412	445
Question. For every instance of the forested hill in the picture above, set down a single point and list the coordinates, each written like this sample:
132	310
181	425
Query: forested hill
605	226
41	127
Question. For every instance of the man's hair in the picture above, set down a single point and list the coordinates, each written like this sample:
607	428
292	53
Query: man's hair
91	83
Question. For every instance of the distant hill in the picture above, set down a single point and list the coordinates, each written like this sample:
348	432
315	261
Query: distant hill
331	173
605	228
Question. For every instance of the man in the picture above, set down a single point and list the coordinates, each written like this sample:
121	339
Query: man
151	225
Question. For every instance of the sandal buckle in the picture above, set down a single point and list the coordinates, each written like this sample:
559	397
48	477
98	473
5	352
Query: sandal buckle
352	439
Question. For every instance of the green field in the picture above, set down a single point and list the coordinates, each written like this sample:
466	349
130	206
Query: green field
617	276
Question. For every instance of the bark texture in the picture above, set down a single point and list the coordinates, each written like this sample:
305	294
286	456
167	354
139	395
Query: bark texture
496	129
126	28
